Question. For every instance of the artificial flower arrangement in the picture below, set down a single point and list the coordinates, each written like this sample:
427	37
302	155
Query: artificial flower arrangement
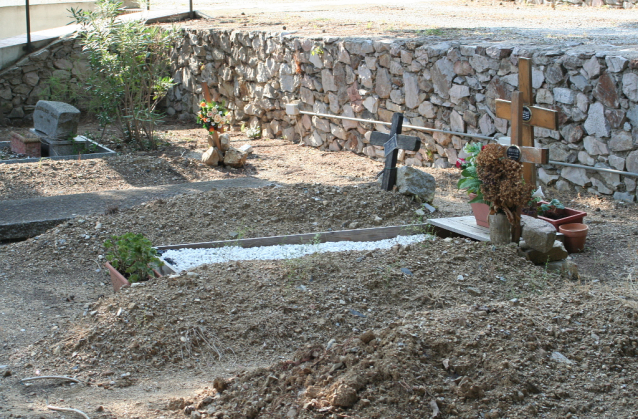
212	115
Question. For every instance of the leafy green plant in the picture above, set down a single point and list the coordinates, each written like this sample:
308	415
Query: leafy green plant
553	209
317	50
130	70
62	91
132	255
469	176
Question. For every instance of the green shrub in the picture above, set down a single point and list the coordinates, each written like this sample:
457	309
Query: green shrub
130	70
132	255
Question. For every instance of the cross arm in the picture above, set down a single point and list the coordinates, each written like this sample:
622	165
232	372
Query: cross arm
541	117
405	142
534	155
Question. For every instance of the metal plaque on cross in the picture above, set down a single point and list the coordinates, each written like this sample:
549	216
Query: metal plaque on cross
392	143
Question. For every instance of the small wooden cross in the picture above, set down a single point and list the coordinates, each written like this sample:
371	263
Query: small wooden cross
391	144
524	117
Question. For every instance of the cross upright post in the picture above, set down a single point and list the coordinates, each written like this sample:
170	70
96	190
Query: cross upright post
524	117
391	144
392	153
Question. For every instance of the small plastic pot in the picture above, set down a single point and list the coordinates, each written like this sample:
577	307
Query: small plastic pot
575	236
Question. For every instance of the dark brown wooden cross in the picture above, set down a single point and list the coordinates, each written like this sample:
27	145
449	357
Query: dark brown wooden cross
391	144
524	117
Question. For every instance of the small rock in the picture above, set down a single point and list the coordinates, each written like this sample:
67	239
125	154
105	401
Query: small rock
474	291
220	384
246	148
6	373
560	358
330	344
343	396
235	157
406	271
460	278
356	313
196	415
211	157
367	337
429	207
435	409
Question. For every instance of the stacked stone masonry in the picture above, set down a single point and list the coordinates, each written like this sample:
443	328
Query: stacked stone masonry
443	85
58	68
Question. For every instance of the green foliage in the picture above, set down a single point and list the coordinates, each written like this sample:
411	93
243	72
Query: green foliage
552	206
317	50
130	70
132	255
83	147
61	91
469	176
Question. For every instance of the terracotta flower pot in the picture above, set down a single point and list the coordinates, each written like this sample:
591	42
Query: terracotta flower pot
575	236
118	280
571	216
481	212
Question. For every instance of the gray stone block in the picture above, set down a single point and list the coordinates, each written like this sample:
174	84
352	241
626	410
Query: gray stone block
56	120
414	182
557	252
538	234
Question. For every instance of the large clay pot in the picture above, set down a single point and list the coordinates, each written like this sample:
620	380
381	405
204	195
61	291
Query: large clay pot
481	212
575	236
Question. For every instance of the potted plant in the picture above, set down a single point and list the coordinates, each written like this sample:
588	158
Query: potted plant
131	258
554	212
472	184
504	187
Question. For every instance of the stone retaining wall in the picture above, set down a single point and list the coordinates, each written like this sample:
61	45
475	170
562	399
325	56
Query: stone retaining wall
29	80
450	86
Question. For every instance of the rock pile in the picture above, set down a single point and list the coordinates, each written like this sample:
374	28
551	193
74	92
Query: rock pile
225	154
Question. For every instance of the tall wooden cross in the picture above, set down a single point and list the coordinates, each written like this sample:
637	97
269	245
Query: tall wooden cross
391	144
524	117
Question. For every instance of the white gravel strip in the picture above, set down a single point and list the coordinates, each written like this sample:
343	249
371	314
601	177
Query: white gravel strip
183	259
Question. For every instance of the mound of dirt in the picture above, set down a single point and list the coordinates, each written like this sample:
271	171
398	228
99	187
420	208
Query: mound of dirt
569	355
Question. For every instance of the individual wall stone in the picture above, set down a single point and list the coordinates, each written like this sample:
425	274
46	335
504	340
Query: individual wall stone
596	123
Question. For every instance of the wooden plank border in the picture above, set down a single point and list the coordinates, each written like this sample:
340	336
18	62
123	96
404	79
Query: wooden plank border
357	235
